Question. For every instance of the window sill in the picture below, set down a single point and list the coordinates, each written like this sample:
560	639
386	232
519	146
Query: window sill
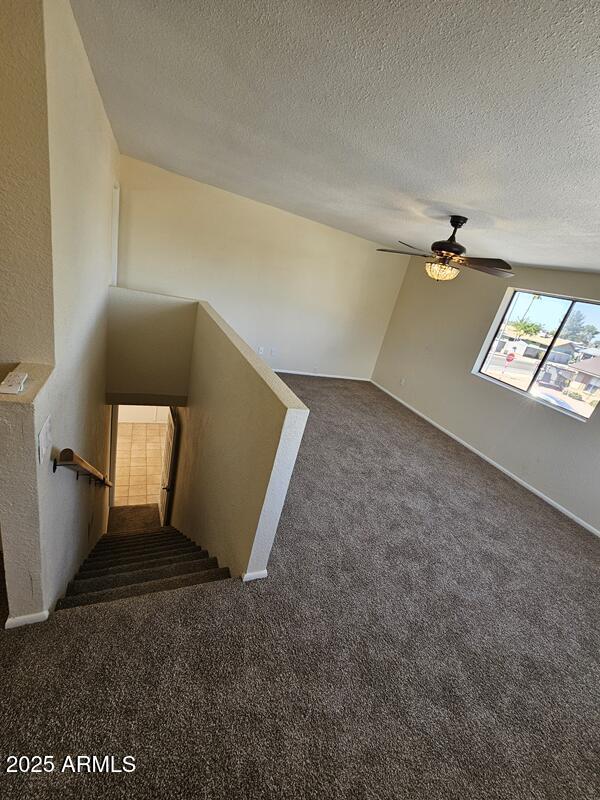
526	396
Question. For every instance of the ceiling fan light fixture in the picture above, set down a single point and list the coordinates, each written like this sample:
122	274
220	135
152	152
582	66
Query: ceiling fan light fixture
447	252
441	272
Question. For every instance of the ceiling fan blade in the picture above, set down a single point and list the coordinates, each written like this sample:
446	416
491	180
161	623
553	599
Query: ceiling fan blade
500	273
406	244
400	252
492	263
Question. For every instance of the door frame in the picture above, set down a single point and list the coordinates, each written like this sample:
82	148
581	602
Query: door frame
170	487
112	467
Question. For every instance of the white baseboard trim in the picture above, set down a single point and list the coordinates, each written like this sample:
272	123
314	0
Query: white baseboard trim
26	619
254	576
320	375
489	460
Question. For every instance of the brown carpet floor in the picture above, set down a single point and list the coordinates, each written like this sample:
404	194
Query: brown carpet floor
429	630
130	519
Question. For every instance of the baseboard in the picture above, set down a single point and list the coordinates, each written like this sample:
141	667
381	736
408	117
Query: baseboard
489	460
26	619
319	375
254	576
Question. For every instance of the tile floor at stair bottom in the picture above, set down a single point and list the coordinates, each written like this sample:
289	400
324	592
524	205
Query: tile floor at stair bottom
139	463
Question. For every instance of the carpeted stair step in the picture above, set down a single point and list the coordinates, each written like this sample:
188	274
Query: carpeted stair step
83	585
139	564
121	541
149	587
135	538
153	542
118	536
127	557
132	558
118	549
143	562
171	544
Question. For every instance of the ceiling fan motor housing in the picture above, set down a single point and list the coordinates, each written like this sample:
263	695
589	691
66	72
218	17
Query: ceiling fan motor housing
450	247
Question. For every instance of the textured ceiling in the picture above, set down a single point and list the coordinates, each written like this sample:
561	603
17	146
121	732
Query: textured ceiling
375	117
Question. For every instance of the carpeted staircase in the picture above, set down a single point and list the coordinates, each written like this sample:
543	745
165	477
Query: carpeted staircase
129	564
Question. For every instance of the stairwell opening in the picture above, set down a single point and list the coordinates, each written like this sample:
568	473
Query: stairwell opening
141	552
144	445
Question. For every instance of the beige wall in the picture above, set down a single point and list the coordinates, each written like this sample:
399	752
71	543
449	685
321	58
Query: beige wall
26	324
432	343
83	170
240	435
150	339
26	329
19	499
144	414
63	517
317	297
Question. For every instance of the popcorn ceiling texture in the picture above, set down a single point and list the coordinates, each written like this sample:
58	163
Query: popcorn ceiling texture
378	118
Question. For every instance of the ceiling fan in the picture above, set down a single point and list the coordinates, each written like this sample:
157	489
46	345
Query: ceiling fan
449	257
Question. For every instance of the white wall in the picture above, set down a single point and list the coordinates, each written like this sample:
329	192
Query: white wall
240	435
83	169
432	343
150	339
318	298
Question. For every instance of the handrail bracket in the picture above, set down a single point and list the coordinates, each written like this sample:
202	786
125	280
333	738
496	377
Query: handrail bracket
71	460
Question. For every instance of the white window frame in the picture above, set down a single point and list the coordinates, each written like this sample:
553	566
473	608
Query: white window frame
493	331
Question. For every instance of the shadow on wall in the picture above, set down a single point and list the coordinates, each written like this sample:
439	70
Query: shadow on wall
3	595
150	338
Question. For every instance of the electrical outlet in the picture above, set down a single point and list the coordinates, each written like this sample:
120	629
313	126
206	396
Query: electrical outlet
273	351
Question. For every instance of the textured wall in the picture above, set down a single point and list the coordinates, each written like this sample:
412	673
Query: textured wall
432	343
319	298
26	303
19	508
26	325
83	170
240	435
150	339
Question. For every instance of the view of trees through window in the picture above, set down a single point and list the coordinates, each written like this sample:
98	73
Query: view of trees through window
549	347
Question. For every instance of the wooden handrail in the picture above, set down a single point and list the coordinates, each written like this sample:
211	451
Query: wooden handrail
69	459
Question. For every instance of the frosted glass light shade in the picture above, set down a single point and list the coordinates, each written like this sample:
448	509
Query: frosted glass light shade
440	272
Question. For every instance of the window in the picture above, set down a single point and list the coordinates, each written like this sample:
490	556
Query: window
548	347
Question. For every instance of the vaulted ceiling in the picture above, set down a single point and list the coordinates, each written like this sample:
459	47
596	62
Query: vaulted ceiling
378	117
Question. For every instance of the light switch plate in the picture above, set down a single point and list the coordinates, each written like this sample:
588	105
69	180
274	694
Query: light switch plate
44	440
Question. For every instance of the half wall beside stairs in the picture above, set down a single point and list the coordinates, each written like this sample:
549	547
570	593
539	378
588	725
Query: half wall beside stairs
241	426
240	434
